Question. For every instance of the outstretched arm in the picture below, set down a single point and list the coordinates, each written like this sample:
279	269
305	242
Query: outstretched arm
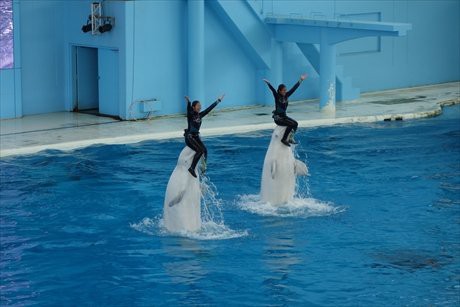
209	109
270	87
296	86
189	104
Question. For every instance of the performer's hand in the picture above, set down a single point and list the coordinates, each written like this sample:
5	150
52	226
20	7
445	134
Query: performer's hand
303	77
221	98
266	81
187	99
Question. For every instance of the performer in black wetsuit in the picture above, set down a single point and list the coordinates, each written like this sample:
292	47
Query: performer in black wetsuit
192	133
279	114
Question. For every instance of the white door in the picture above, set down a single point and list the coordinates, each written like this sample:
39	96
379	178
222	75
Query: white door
108	82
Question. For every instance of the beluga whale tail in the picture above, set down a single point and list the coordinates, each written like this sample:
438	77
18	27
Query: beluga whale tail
181	210
280	171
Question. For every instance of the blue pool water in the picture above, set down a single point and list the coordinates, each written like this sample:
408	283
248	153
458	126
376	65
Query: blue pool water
376	224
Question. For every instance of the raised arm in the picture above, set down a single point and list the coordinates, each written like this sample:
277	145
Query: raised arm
296	86
189	104
209	109
270	87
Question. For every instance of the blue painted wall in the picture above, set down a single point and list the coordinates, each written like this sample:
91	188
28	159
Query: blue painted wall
151	40
44	33
227	68
75	14
156	56
429	54
42	56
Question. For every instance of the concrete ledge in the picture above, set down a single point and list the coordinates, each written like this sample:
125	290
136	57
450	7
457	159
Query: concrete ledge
424	102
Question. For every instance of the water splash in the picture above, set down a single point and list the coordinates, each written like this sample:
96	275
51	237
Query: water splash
302	205
298	207
302	189
212	220
210	230
211	204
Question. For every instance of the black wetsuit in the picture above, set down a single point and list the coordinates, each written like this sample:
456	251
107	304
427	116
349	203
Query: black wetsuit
192	133
281	104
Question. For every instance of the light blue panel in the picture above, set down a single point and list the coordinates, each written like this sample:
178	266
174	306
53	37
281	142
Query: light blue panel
195	48
17	93
428	54
368	68
158	60
109	102
295	64
228	69
361	45
42	56
7	106
87	78
127	70
368	49
434	45
17	59
8	101
274	74
7	83
248	28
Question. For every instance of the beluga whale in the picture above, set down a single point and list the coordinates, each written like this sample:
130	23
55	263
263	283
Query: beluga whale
181	209
182	205
280	171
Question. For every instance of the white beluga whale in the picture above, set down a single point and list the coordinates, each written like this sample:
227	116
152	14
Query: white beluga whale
181	210
280	171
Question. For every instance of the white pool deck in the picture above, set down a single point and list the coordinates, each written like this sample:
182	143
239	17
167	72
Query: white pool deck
68	131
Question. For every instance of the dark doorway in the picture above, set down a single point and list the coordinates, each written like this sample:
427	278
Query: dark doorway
86	84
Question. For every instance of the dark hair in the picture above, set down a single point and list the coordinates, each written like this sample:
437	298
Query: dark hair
281	86
194	103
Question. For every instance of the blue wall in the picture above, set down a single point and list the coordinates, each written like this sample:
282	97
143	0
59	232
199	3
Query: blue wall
158	60
75	14
227	68
429	54
158	53
42	56
151	40
44	33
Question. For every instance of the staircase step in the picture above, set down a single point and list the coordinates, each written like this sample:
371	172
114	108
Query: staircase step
344	86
